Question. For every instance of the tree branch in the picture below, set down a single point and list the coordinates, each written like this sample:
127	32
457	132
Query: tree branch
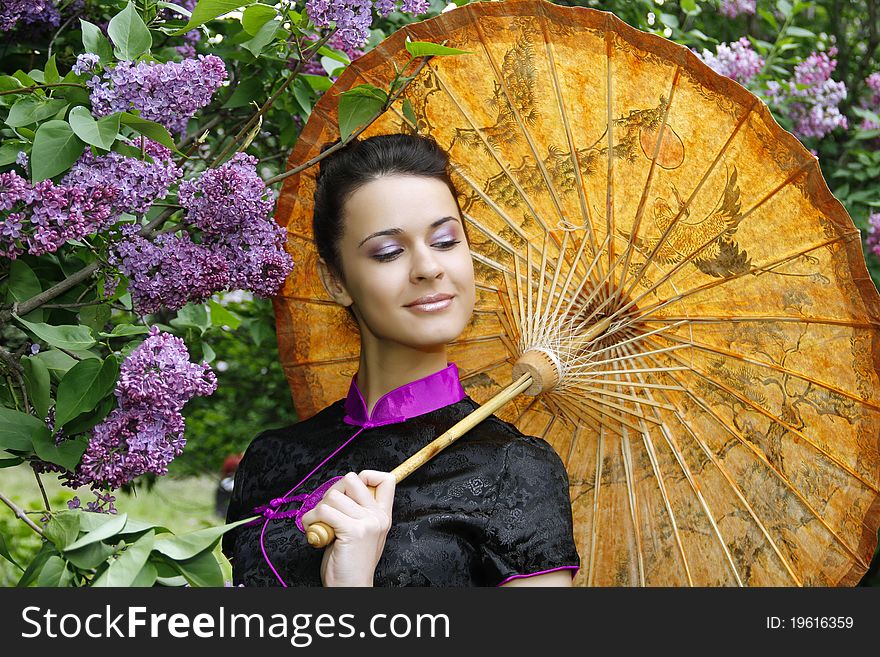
20	514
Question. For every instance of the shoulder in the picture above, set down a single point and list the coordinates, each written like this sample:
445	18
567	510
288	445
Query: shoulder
522	453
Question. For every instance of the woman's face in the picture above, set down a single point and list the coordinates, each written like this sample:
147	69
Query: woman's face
402	241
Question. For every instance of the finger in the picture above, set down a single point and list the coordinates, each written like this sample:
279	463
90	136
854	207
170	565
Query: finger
342	502
384	485
357	490
325	513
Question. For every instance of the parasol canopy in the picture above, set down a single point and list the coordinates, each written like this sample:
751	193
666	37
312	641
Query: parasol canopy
646	222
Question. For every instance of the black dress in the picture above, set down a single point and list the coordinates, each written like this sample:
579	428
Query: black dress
492	506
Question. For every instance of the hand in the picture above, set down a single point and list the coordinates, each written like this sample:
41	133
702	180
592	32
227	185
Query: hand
361	522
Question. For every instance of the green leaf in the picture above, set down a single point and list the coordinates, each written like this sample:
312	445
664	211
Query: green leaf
33	109
262	38
423	48
189	545
255	16
4	552
63	528
34	567
129	34
334	54
95	316
23	285
689	6
201	570
56	148
208	353
125	568
409	113
11	463
207	10
150	129
248	89
332	66
90	556
123	330
54	573
67	453
192	315
146	577
220	316
101	133
9	152
95	42
784	8
800	32
356	109
51	71
84	385
106	529
317	82
38	382
71	337
18	430
57	362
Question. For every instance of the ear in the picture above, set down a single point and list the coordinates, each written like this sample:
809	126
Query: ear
333	285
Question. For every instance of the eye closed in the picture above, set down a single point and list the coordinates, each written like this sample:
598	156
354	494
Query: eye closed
391	255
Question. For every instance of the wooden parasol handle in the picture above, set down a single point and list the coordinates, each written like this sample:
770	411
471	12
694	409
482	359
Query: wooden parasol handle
320	534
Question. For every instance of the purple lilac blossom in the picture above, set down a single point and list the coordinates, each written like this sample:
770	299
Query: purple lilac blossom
140	182
872	102
22	159
47	215
85	63
190	39
14	13
168	272
733	8
145	432
227	198
737	60
238	247
873	240
811	97
169	93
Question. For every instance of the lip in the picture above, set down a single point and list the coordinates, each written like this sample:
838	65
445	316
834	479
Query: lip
432	298
431	303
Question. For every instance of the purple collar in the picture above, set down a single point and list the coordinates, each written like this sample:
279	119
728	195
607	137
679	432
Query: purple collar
409	400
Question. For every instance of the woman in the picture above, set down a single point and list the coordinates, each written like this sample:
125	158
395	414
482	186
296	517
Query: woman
492	508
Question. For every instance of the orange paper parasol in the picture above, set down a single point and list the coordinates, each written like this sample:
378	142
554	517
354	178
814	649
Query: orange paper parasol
677	256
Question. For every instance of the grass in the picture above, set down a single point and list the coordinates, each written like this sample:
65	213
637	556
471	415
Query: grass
180	504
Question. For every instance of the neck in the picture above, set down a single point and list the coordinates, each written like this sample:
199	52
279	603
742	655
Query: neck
384	367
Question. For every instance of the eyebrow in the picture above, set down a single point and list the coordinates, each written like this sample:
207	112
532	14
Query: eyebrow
398	231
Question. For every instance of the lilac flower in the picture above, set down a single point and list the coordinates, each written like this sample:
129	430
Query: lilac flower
811	98
168	93
145	432
27	12
170	272
46	215
872	102
238	247
415	7
227	198
159	375
873	240
140	182
85	63
190	39
352	18
22	159
737	60
733	8
74	503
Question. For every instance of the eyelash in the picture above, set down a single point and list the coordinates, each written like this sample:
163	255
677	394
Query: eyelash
385	257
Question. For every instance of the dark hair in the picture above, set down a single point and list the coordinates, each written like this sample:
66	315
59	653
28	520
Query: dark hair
343	172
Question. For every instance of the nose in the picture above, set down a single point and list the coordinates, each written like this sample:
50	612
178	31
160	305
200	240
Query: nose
425	264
